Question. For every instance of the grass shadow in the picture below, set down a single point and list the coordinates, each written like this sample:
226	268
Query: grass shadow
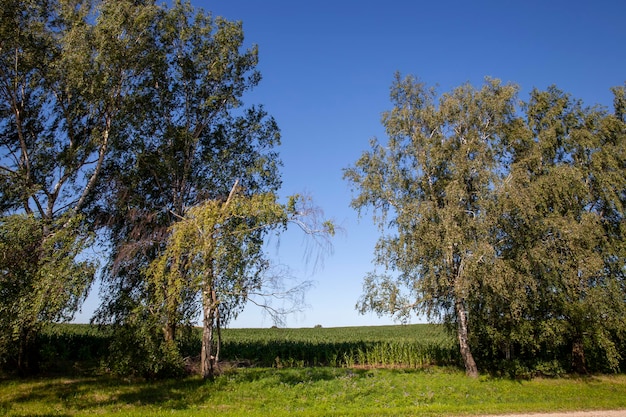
176	394
84	393
295	376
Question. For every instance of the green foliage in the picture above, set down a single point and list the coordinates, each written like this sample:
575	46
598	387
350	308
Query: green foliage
507	221
216	247
187	140
561	210
41	281
138	349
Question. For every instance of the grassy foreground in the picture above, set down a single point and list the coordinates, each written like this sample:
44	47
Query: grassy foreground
309	392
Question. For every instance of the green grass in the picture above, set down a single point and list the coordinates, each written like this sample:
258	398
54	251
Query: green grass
309	392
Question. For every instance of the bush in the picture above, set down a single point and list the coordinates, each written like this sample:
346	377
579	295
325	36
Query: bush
141	351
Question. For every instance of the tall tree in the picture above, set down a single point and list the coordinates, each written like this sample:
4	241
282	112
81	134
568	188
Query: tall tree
187	142
507	222
66	68
562	212
431	187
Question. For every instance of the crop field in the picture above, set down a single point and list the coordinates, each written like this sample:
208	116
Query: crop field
411	346
405	346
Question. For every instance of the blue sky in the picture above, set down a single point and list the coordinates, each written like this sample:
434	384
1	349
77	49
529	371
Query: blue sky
327	68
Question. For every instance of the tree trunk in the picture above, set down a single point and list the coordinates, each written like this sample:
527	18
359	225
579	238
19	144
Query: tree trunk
170	331
579	363
468	360
218	327
28	353
207	359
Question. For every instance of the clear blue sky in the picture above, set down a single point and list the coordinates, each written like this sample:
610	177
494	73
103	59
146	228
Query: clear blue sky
327	68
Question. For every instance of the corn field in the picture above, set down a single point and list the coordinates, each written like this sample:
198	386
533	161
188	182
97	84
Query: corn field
410	346
406	346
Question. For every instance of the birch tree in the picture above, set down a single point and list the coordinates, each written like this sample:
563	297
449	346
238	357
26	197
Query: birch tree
431	189
215	254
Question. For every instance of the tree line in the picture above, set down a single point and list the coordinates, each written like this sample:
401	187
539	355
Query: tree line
123	130
503	218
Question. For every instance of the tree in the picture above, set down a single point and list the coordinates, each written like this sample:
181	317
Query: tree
188	140
32	293
215	254
507	223
66	69
561	214
433	184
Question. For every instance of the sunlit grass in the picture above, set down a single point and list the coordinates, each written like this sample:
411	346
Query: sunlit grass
309	392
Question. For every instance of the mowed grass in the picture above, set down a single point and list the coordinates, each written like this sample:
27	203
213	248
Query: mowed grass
321	391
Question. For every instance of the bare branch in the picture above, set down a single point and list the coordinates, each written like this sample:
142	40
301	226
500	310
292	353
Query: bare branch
94	176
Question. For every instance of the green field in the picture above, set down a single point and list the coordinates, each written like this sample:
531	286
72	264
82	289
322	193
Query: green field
407	370
406	346
411	346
